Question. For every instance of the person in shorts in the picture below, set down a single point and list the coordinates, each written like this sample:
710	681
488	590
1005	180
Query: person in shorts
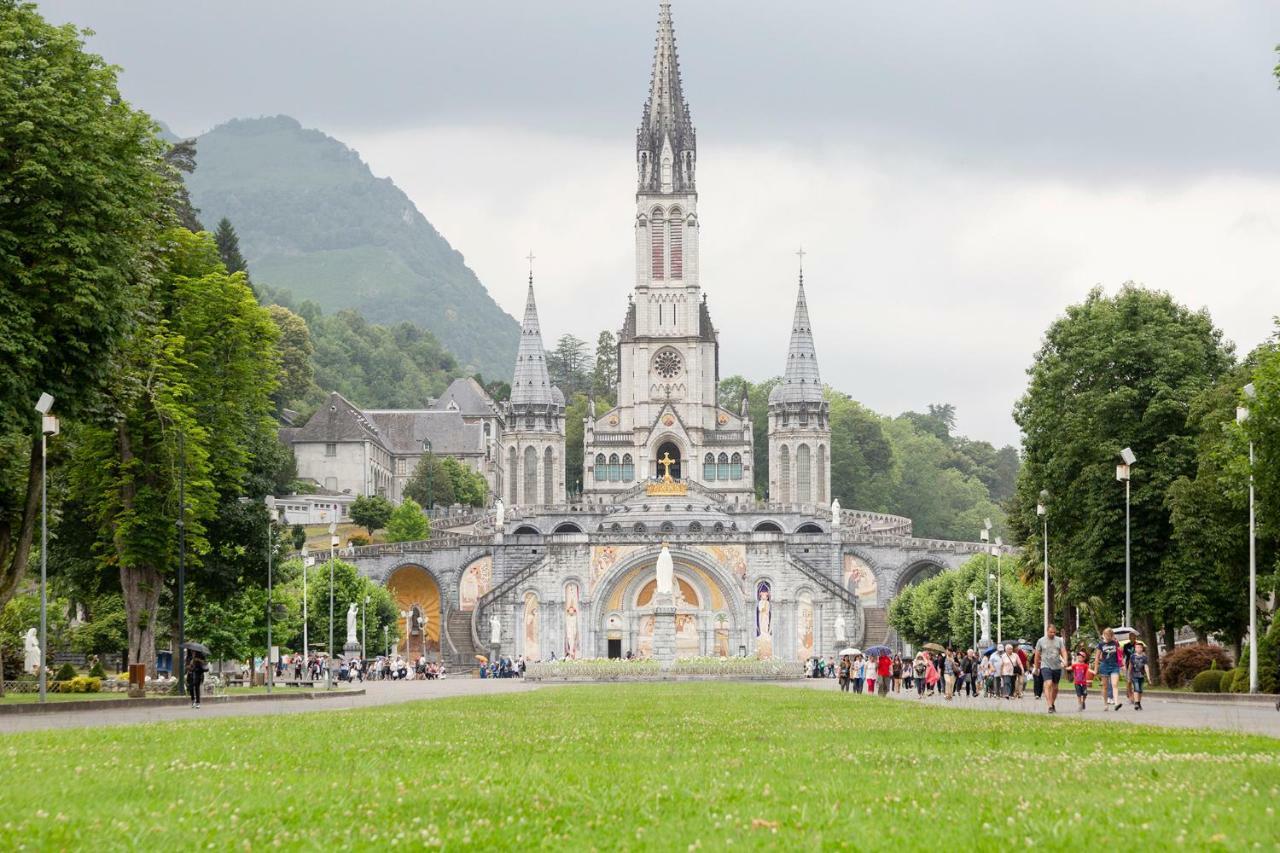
1139	672
1050	660
1108	660
1081	675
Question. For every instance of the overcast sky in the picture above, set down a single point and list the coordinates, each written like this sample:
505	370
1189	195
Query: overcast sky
958	173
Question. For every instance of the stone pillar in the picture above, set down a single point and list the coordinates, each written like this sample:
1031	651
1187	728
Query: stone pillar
664	628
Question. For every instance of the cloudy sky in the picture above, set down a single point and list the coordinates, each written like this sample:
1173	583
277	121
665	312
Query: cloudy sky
957	173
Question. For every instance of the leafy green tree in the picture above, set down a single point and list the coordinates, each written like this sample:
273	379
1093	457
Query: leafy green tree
349	586
469	487
408	523
429	484
730	396
299	535
862	459
190	400
86	191
297	374
574	435
180	158
604	380
103	632
229	247
1114	372
1263	428
18	615
939	610
372	512
568	365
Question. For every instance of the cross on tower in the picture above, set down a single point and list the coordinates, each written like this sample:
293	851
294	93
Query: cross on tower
800	253
529	258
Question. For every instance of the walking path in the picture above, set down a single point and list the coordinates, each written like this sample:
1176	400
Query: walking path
376	693
1157	709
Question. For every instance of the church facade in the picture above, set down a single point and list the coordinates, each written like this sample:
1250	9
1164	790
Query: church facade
668	466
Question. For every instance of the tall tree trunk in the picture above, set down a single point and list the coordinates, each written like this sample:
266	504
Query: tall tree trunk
1170	637
15	547
141	587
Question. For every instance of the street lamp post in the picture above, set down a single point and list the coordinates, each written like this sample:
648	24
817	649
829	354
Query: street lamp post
995	549
270	501
984	535
364	630
1242	415
1042	510
306	649
1122	473
426	443
48	427
973	604
333	543
179	667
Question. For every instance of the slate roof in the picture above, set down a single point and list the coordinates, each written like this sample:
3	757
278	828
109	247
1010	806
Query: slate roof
531	384
801	382
470	397
405	431
338	420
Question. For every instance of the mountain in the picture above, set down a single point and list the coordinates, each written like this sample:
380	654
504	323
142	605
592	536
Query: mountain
312	219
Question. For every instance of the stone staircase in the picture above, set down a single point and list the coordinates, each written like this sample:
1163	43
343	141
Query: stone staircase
876	631
458	627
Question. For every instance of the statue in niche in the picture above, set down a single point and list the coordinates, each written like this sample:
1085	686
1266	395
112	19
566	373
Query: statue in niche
495	629
840	628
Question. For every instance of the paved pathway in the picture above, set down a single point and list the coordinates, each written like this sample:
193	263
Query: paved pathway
1157	709
376	693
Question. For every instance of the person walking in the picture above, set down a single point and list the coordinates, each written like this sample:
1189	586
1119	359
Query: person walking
1108	661
949	673
1050	659
1008	666
1081	675
897	673
1139	672
884	669
844	674
196	668
921	668
1128	648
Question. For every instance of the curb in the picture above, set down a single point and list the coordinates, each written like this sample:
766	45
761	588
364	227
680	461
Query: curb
1216	698
112	704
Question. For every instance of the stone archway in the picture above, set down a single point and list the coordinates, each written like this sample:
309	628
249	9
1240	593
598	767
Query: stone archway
671	449
416	591
916	572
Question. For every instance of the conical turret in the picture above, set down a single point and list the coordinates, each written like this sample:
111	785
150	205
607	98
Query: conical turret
531	384
801	382
666	145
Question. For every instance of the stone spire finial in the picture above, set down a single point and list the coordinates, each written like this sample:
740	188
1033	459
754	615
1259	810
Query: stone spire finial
666	129
800	381
531	384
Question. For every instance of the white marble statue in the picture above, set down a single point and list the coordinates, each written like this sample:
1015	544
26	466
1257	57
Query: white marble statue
499	514
495	629
984	616
835	514
351	623
31	646
666	571
840	629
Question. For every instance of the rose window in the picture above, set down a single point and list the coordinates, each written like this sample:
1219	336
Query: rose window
667	364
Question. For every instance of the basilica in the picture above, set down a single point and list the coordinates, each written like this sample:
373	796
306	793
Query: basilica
667	472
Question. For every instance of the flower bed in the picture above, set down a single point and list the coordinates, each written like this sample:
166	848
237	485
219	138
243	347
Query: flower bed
616	669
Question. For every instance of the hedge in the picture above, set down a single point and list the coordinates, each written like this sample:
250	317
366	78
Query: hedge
1209	681
1182	664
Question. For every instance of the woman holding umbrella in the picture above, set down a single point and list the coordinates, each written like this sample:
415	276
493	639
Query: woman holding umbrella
195	670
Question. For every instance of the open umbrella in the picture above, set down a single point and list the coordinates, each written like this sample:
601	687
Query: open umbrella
849	651
876	651
1025	646
1126	631
933	647
482	659
989	651
199	648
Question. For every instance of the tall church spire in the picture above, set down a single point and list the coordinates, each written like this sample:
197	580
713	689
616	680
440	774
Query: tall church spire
531	384
666	145
800	381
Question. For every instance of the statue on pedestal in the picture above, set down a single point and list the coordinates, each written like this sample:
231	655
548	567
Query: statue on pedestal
984	617
666	571
835	514
351	623
499	515
31	646
840	628
495	629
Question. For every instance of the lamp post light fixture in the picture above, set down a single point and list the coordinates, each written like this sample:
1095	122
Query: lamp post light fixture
973	603
1122	473
364	630
1242	415
48	426
270	502
995	550
333	543
1042	510
306	649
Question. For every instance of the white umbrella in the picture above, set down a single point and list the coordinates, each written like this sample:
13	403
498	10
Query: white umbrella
851	651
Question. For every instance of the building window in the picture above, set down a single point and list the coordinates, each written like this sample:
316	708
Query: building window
709	467
803	492
530	477
615	468
657	259
331	449
628	468
723	466
677	244
822	474
735	466
548	477
784	475
601	472
513	475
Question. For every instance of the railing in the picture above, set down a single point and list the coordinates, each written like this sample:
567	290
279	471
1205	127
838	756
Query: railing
821	579
443	540
611	438
497	592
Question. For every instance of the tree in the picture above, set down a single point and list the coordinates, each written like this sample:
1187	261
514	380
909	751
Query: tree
297	375
429	485
939	610
604	381
229	247
1114	372
192	400
87	174
372	512
567	365
730	397
469	487
862	459
574	431
408	523
180	158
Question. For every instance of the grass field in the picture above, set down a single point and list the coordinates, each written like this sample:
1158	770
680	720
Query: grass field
650	766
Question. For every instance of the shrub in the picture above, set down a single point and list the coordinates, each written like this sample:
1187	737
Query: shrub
66	672
1182	664
1268	659
358	539
1228	678
1240	684
82	684
1209	681
97	671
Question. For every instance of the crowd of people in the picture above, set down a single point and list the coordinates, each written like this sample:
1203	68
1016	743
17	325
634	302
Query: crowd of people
999	672
503	667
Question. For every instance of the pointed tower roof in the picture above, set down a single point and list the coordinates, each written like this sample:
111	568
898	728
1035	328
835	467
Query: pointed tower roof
531	384
800	382
666	115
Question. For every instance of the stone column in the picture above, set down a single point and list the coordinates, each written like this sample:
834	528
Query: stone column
664	628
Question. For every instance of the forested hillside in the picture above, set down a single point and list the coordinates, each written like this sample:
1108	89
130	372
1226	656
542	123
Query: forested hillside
313	219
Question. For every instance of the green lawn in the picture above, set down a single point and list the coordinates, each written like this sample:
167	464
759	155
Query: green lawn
666	766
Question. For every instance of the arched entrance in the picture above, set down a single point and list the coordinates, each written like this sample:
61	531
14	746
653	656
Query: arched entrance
667	450
917	572
417	597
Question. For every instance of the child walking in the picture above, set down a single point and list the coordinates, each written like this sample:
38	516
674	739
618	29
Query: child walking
1138	673
1081	675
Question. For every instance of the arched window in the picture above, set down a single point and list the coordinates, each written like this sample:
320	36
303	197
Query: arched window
530	477
657	256
668	527
628	468
513	476
615	468
676	249
709	467
822	474
548	477
724	466
695	527
784	475
601	472
735	466
804	492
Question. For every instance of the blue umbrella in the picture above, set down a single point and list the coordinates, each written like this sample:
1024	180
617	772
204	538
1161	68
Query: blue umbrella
876	651
988	652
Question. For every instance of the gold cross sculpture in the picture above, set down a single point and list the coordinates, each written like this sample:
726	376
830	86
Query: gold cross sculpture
666	461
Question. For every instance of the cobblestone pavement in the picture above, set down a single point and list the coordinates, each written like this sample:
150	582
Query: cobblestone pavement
1157	710
376	693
